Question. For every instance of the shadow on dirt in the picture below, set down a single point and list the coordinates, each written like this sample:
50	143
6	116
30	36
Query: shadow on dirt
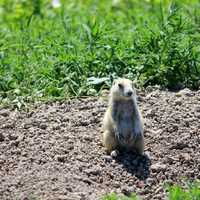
136	165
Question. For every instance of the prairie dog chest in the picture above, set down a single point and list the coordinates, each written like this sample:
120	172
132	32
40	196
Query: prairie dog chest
123	116
123	113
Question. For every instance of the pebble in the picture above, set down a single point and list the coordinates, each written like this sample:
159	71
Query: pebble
12	137
43	126
178	101
197	108
93	171
107	158
9	125
158	167
61	158
150	181
63	197
114	153
2	137
150	113
186	92
88	138
179	145
127	190
4	113
116	184
185	157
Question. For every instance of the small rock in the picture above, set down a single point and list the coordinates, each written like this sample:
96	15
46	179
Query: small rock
107	158
116	184
145	191
198	115
140	184
197	108
27	125
158	196
178	102
187	123
77	196
147	154
15	143
190	173
24	197
179	145
178	94
158	167
12	137
187	92
2	137
4	113
9	124
43	126
61	158
150	181
150	113
93	171
114	153
158	190
88	138
170	160
56	127
87	180
54	188
100	180
185	157
175	127
63	197
127	190
69	189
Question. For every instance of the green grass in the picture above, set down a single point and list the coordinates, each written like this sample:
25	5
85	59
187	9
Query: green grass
175	192
113	196
77	49
191	193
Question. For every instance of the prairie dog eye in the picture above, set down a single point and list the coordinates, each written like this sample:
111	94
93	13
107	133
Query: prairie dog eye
120	85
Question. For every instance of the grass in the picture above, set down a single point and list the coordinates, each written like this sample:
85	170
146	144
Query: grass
178	193
175	192
79	48
113	196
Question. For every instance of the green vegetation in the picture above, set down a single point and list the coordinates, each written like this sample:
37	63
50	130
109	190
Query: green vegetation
178	193
113	196
175	192
76	49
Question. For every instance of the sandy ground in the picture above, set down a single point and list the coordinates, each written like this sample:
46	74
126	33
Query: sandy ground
54	151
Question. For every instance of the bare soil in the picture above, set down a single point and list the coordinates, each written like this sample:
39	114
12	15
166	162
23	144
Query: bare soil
54	151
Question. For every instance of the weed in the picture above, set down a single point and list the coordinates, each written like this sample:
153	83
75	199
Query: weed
175	192
113	196
50	53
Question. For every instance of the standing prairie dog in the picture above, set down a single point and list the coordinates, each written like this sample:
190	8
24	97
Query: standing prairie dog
122	123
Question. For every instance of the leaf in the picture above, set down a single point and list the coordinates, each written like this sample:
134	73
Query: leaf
97	81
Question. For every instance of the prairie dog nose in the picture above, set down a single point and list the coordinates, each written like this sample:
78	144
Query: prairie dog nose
129	93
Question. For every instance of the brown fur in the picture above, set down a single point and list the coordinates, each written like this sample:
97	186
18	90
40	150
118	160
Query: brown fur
122	123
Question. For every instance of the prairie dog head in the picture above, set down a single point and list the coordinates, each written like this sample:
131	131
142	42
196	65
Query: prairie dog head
122	89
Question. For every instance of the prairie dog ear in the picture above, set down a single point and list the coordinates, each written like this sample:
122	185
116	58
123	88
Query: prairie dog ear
114	82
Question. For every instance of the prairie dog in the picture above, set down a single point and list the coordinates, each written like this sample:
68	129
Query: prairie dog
122	123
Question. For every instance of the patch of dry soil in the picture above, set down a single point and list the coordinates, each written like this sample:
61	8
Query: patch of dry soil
54	151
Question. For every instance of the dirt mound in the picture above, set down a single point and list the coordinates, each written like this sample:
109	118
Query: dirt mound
54	151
